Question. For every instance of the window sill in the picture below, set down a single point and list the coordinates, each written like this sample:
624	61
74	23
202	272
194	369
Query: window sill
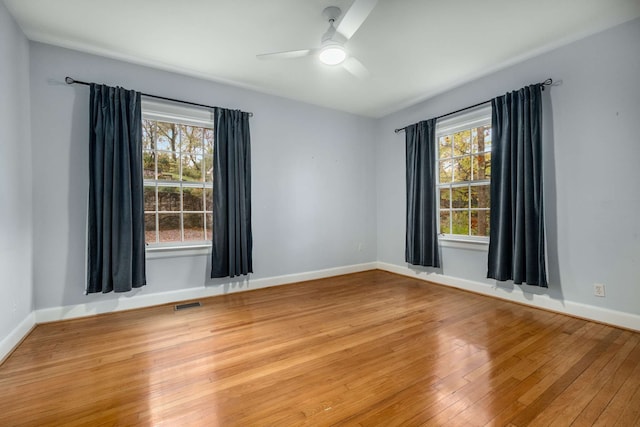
156	252
462	243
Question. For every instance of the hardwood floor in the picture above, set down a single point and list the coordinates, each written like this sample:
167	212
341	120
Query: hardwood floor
371	348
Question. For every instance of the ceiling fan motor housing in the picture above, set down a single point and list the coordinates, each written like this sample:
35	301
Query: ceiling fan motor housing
331	13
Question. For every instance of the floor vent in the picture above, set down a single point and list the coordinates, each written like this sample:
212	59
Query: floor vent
179	307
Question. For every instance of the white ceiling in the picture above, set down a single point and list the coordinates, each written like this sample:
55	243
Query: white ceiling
413	49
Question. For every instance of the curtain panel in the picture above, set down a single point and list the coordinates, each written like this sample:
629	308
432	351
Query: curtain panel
422	222
116	242
517	235
232	244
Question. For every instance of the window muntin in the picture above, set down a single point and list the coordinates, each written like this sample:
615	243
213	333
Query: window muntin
178	173
464	174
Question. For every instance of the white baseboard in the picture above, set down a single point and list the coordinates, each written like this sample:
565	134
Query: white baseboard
14	338
147	300
598	314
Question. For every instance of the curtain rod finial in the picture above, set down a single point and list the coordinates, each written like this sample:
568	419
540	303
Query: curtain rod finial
68	80
547	82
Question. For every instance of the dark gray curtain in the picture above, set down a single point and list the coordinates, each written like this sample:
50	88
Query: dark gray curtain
116	257
231	253
422	222
517	242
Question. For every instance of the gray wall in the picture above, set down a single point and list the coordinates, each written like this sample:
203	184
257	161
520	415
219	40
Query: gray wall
592	170
15	177
313	173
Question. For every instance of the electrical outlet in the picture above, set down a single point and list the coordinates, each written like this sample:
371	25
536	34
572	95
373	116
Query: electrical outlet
598	289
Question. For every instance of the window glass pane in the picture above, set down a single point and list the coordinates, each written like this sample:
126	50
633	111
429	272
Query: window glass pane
208	168
462	169
479	141
481	167
487	138
460	197
445	227
460	222
487	165
191	139
445	198
474	139
208	142
208	198
192	199
209	218
462	143
446	169
192	167
168	136
480	196
168	198
169	227
149	134
479	223
168	167
149	164
149	195
444	148
193	226
150	228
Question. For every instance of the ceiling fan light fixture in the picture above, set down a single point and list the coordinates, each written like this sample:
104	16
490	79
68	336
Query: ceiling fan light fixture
332	55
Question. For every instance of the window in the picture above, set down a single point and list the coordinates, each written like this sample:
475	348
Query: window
178	173
464	163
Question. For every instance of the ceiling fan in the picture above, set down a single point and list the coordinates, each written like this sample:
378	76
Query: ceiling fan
332	49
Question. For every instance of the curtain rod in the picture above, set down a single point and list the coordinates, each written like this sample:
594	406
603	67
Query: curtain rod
70	81
547	82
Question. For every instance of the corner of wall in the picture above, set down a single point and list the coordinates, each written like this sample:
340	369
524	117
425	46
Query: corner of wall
16	178
16	336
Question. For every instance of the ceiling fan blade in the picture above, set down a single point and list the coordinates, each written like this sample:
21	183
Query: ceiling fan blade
290	54
355	16
356	68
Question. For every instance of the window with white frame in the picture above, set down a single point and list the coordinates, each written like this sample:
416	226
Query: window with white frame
464	164
178	173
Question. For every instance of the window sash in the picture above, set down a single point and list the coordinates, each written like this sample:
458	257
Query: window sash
477	117
168	112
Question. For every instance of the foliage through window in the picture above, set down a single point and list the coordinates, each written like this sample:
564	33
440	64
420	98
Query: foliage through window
464	164
178	173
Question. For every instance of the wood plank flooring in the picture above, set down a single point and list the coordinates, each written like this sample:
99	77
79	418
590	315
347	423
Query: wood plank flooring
365	349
